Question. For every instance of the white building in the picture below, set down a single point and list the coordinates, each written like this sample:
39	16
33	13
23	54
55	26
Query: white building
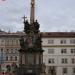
59	54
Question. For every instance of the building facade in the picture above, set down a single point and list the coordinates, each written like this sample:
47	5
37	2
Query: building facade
58	56
9	46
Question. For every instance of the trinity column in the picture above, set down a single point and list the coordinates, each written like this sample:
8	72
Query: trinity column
31	52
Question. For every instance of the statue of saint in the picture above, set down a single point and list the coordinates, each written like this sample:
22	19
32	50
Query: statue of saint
36	27
36	41
26	27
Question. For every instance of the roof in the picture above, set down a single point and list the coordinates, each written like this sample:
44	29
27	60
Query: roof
58	34
44	34
6	34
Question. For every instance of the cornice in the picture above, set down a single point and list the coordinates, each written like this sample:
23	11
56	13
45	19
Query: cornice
58	45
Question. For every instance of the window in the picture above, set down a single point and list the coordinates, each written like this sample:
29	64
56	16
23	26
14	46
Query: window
11	50
72	41
15	58
63	51
64	70
50	41
10	58
51	60
16	51
7	42
73	60
63	41
12	42
7	50
64	60
16	41
6	58
51	51
2	41
1	49
73	70
72	50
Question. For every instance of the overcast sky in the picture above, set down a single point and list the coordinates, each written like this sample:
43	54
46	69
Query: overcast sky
53	15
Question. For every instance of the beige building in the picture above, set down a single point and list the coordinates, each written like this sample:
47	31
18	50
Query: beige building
58	56
9	46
